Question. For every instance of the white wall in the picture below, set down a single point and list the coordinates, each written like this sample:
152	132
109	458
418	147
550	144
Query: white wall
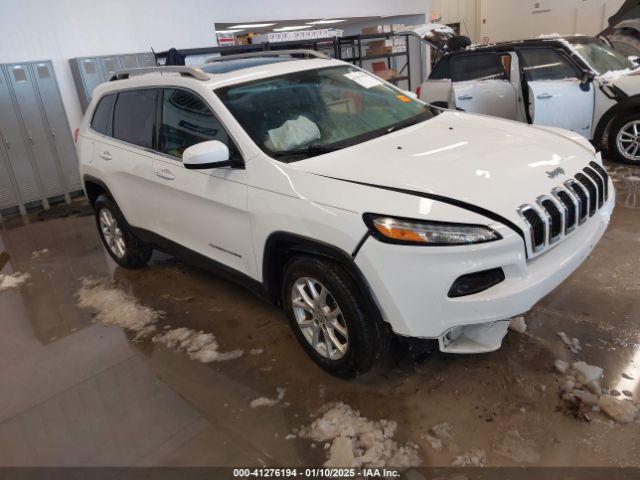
464	11
503	20
62	29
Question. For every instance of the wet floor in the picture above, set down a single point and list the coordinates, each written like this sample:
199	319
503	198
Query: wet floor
75	392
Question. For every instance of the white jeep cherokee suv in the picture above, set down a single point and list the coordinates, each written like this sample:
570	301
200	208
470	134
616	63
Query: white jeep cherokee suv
577	82
357	208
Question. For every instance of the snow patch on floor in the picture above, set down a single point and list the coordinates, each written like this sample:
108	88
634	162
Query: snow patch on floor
472	458
517	448
13	280
39	253
199	346
356	441
269	402
113	306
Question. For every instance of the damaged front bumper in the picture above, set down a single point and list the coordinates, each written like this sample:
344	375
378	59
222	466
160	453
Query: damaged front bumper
479	338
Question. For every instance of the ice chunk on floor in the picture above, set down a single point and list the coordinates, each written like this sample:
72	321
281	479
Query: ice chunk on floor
269	402
199	346
587	373
517	324
113	306
622	411
13	280
517	448
357	441
472	458
39	253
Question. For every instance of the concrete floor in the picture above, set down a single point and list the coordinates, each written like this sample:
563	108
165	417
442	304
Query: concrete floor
74	392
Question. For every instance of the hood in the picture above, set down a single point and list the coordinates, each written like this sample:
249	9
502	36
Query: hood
434	34
490	163
626	80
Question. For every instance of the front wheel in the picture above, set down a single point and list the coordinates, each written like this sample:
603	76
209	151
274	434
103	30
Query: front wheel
624	139
327	315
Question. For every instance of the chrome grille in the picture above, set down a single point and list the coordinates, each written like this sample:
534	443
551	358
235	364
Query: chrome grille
566	208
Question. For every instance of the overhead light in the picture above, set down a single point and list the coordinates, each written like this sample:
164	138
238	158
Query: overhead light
293	27
253	25
231	31
323	22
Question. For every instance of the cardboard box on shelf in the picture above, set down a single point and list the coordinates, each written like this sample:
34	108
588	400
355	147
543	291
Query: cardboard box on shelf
376	29
379	47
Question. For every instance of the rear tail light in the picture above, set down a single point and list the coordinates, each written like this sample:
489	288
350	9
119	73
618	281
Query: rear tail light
418	91
75	135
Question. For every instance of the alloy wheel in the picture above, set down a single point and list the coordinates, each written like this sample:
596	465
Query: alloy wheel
628	141
112	233
319	318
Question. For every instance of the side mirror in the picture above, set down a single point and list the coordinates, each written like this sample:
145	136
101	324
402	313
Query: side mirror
585	80
211	154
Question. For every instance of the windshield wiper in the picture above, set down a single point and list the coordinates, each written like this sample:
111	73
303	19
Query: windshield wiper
310	151
410	121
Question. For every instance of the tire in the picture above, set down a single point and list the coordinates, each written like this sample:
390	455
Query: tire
366	338
622	130
123	246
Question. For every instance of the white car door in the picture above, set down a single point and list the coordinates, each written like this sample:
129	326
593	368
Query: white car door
202	210
481	84
123	150
556	95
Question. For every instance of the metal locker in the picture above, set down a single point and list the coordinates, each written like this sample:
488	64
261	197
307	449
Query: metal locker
87	75
57	123
15	149
35	131
109	66
147	59
8	196
129	61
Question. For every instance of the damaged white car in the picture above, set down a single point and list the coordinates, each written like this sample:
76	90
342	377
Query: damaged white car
341	198
578	83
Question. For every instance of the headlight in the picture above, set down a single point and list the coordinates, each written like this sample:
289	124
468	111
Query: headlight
411	232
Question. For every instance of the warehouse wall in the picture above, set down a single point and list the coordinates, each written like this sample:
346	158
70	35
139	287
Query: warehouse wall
63	29
466	12
503	20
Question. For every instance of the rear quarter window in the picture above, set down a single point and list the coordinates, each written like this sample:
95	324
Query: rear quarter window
101	121
442	70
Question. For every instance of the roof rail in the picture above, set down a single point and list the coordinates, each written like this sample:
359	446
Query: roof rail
269	53
186	71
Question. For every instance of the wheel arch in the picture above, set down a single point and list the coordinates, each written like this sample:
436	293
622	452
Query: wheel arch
624	106
280	247
94	187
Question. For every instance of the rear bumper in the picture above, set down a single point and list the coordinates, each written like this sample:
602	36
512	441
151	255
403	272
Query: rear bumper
410	283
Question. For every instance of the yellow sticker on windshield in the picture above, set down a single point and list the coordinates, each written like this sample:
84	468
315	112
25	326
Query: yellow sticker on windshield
403	98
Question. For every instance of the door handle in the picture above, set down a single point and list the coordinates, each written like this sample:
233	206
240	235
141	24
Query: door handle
106	155
465	97
544	96
164	173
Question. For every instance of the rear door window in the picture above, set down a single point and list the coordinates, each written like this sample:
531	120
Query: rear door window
101	121
187	120
546	64
482	66
134	117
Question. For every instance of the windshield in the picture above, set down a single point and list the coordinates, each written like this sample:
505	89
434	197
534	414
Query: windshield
302	114
601	57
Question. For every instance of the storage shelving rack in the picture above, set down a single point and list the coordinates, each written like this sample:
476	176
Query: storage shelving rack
351	49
